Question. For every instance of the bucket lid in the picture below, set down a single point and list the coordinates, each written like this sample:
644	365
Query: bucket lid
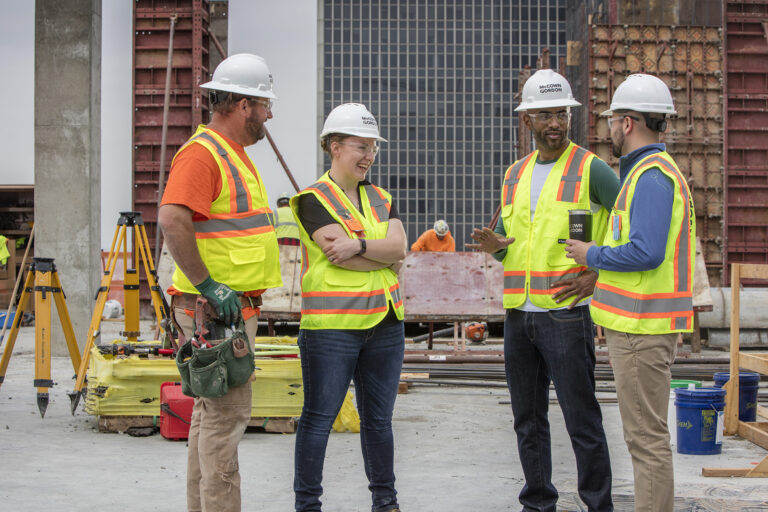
700	393
683	383
744	377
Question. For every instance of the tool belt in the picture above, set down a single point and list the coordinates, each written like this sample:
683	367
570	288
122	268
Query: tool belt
189	301
209	368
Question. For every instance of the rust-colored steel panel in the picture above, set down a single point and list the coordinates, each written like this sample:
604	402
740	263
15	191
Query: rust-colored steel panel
745	129
452	286
689	60
188	104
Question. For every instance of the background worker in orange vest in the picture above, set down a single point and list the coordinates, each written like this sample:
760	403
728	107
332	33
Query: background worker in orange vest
215	217
643	296
352	241
548	333
437	239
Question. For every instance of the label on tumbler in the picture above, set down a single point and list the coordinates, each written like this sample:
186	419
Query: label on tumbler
580	225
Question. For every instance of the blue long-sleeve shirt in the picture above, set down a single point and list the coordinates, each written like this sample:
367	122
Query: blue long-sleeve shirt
649	219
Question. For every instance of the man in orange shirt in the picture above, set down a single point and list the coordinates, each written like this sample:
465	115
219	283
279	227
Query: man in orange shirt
216	219
438	239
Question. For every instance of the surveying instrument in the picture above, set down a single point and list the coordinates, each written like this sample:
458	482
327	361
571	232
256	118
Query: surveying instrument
141	256
42	280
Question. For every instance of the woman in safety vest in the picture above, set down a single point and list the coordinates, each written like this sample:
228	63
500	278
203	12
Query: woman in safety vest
351	311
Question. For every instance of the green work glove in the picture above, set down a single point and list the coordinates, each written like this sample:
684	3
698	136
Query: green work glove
223	298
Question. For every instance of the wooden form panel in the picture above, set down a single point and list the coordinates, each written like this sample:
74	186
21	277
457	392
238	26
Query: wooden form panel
689	60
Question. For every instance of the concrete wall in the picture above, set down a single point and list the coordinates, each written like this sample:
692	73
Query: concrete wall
67	151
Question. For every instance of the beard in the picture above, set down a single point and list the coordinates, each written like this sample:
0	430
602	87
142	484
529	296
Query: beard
617	144
544	142
255	129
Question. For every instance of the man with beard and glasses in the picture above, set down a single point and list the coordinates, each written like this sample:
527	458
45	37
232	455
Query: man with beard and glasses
216	219
548	333
643	297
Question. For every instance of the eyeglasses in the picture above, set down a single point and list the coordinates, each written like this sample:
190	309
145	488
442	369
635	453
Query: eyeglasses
611	120
363	148
546	117
267	104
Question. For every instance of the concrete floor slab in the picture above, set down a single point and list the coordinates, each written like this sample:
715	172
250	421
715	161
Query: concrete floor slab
456	451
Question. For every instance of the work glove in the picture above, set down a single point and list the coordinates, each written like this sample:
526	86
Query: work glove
223	298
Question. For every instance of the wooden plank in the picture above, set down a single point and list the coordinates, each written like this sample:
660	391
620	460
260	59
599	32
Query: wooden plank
754	362
754	271
412	375
732	386
277	425
725	471
762	411
402	388
755	432
123	423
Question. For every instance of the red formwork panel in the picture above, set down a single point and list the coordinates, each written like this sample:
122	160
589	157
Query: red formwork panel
745	230
188	105
689	60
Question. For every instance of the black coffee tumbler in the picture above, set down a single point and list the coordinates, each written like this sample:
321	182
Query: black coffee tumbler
580	225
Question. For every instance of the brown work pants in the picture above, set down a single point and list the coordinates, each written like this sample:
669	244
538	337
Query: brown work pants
641	368
218	424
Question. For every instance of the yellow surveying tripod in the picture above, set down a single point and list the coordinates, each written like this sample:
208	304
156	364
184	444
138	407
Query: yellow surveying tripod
43	280
141	255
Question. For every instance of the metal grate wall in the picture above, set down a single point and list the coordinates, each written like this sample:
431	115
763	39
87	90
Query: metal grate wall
440	77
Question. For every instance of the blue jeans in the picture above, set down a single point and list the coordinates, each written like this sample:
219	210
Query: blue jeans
329	360
559	346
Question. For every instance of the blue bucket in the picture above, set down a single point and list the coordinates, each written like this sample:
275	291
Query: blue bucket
748	384
698	412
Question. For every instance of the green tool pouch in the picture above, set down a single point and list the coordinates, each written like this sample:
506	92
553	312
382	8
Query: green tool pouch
210	372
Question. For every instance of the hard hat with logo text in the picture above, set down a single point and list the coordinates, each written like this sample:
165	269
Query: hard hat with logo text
441	227
243	73
352	119
546	89
642	93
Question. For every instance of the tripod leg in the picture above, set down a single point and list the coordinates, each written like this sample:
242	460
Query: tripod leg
28	282
98	311
149	269
66	323
43	297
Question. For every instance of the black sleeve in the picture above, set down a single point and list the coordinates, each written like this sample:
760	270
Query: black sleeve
312	214
393	213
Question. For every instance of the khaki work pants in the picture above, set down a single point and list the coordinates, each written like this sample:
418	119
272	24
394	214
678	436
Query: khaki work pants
218	424
641	367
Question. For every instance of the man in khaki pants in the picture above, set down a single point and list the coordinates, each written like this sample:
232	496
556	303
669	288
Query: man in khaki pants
643	295
216	220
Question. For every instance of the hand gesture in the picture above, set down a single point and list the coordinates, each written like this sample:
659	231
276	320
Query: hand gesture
488	241
581	286
340	248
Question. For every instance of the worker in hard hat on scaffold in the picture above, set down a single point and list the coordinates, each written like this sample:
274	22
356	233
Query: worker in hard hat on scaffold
548	333
286	229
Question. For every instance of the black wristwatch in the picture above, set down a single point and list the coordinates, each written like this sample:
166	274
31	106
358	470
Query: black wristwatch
362	247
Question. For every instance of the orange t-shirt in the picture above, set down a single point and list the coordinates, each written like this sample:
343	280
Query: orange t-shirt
428	241
194	181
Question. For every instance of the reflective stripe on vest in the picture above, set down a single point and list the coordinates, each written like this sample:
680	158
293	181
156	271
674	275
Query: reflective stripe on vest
329	195
252	224
512	178
637	305
571	180
242	197
541	282
378	202
345	303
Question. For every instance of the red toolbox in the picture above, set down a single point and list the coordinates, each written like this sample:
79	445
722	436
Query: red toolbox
175	411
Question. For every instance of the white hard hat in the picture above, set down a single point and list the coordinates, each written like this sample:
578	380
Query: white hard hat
284	196
441	227
546	89
642	93
243	73
352	119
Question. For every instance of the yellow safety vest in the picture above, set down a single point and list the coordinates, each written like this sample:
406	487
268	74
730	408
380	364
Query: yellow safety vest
286	226
535	260
237	242
336	298
654	301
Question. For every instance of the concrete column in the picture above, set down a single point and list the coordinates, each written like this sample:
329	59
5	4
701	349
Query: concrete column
68	153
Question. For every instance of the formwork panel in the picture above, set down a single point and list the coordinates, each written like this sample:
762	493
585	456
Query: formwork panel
187	103
689	60
746	127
